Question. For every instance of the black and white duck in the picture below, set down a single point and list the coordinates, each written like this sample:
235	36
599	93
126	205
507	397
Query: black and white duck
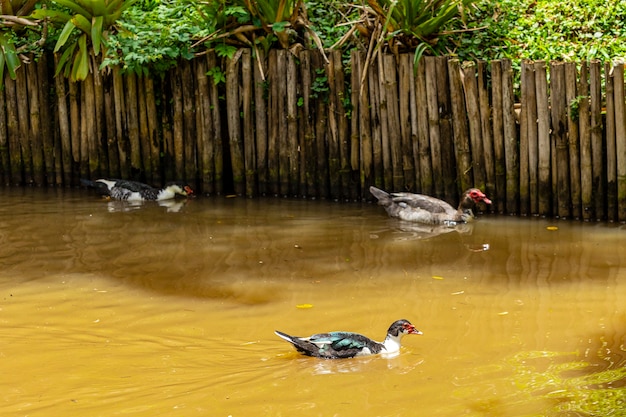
340	345
430	210
137	191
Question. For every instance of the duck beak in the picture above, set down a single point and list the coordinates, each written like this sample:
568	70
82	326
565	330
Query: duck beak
188	190
486	200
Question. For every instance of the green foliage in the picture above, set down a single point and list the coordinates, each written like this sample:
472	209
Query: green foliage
13	31
319	87
565	30
416	24
85	29
154	38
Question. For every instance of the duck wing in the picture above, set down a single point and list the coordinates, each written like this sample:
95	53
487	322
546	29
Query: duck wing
334	345
421	201
132	186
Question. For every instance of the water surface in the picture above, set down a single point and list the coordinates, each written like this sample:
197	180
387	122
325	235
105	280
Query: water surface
112	309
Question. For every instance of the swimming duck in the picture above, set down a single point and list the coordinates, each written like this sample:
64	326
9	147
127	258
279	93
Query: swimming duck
340	345
137	191
425	209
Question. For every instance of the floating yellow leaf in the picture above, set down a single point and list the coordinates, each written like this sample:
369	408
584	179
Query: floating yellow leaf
304	306
552	228
437	277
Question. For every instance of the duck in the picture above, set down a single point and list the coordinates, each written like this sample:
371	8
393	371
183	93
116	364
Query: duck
136	191
341	345
429	210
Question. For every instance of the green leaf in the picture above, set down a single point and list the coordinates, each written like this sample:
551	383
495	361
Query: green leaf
9	55
64	60
96	34
80	67
65	34
75	7
82	23
55	16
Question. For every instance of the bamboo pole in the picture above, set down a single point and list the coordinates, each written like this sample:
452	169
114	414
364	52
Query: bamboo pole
321	139
260	114
143	130
113	156
132	126
334	156
433	126
472	104
533	141
23	112
620	135
83	138
361	141
407	121
13	132
446	135
177	152
394	135
99	128
75	128
597	187
384	110
204	143
189	126
510	139
51	155
249	140
486	133
544	186
611	150
233	109
152	133
35	135
309	152
120	136
348	185
5	166
375	118
560	169
498	135
273	115
527	130
462	146
281	121
421	149
167	121
577	93
63	120
88	127
216	130
291	113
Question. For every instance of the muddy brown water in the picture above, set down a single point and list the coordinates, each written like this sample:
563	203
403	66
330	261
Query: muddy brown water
111	309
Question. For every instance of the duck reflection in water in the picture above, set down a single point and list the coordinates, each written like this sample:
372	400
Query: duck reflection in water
171	206
408	231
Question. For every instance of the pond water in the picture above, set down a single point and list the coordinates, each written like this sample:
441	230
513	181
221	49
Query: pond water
111	309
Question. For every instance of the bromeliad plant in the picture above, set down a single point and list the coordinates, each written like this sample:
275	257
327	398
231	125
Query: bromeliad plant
12	25
414	24
84	32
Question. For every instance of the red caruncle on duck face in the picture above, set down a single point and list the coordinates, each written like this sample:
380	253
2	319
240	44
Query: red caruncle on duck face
478	196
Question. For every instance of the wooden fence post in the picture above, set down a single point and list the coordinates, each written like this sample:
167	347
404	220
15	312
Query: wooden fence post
595	206
620	138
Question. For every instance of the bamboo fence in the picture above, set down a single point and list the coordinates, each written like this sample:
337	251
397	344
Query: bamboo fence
306	126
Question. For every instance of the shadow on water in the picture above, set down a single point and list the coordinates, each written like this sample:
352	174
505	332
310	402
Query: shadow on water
521	317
